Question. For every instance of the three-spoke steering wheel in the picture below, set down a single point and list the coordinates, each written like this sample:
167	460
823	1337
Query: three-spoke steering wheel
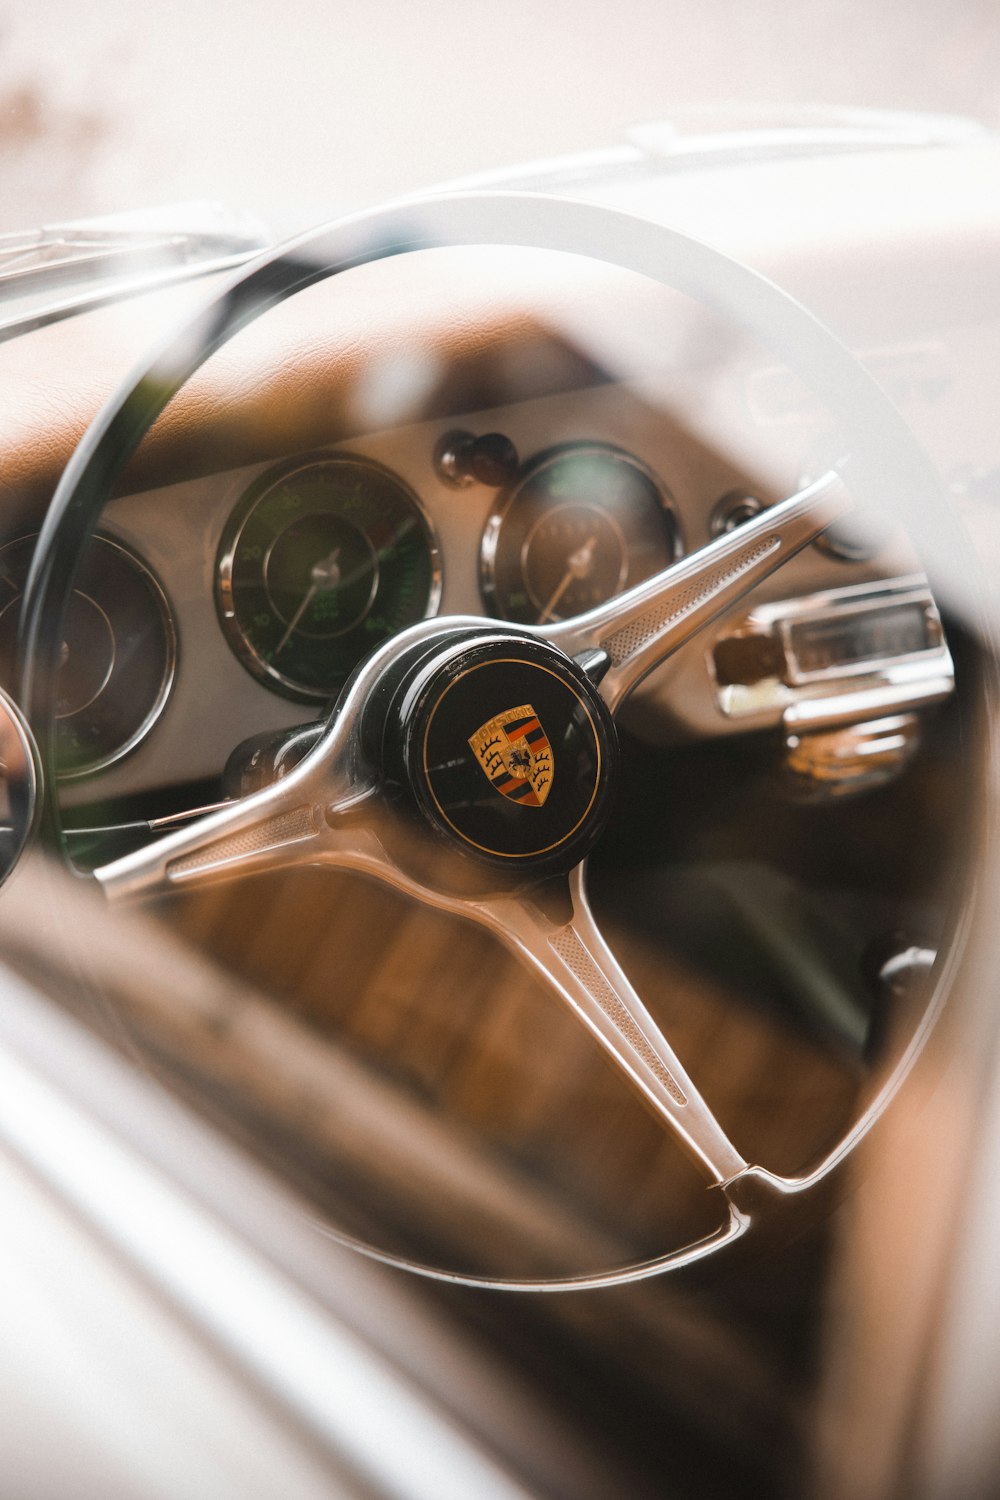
498	741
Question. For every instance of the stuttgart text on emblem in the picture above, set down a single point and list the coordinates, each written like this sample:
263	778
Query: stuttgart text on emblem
515	755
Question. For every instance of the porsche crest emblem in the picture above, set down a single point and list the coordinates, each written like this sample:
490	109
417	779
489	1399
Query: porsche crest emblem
515	755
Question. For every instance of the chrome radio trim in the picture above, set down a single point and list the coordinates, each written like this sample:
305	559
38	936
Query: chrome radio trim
803	698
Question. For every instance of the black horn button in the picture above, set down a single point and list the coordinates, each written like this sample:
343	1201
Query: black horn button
508	750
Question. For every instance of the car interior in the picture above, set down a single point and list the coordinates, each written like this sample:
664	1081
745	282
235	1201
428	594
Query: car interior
420	424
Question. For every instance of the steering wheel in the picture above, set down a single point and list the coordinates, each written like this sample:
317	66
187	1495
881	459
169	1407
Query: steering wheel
470	763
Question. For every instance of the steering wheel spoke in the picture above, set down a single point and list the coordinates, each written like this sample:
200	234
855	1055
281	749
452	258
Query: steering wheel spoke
639	629
259	833
298	819
575	961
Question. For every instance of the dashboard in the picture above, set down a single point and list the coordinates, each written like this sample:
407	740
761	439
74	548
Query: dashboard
628	430
565	363
262	587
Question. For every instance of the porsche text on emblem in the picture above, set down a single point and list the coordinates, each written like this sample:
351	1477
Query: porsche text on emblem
515	755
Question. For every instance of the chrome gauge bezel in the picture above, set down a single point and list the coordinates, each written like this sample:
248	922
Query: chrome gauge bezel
158	597
507	500
235	527
21	785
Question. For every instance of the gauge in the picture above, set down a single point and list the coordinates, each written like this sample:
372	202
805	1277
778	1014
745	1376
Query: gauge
118	652
580	524
320	563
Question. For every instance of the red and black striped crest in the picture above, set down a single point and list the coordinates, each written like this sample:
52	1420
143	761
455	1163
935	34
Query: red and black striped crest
515	755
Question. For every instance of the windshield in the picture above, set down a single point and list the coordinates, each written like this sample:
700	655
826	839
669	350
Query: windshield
302	111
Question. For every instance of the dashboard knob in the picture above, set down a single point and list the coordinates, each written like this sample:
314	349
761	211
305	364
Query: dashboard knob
462	459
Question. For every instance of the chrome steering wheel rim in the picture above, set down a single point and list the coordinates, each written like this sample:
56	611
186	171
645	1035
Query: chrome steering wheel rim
314	812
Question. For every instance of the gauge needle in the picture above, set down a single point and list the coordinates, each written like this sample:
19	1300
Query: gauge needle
578	565
324	576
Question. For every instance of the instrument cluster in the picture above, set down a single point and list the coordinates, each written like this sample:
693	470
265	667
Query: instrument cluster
324	559
308	565
263	588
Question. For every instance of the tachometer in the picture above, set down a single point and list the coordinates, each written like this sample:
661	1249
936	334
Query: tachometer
320	563
579	525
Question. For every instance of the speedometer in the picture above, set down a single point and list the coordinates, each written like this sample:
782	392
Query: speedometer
320	563
580	524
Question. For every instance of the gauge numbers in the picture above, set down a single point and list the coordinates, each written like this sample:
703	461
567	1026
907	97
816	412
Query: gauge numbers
580	524
320	563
